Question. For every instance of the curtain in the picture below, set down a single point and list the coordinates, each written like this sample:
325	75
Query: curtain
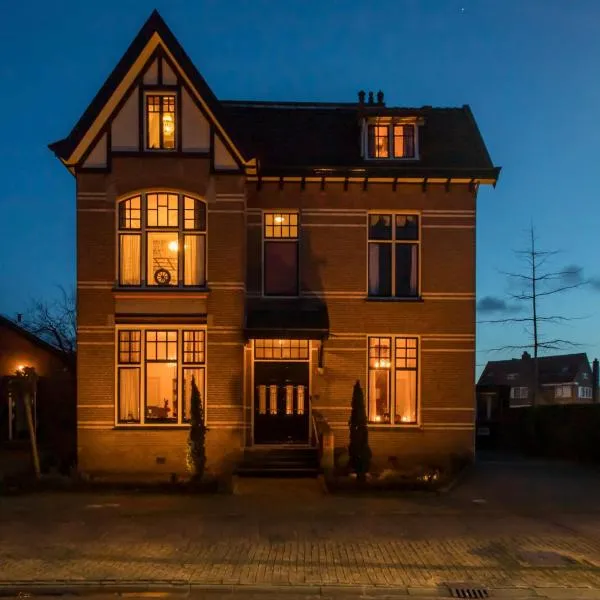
380	269
153	130
406	397
193	260
129	395
379	409
129	271
407	269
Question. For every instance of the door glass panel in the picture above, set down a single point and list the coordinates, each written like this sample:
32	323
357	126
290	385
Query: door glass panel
273	399
300	399
289	399
262	399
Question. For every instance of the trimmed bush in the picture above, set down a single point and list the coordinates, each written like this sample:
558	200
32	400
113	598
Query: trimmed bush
359	452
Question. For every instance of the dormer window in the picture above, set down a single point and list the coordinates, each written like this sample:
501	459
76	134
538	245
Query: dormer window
391	140
160	121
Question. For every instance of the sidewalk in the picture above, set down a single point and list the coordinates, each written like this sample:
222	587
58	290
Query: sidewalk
290	534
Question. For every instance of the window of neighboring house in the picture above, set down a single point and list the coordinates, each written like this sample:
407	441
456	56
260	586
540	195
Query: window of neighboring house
392	382
562	391
162	240
519	396
155	369
280	254
391	140
393	255
584	392
511	376
160	121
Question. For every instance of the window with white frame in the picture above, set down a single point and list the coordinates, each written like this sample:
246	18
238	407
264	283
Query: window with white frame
156	370
584	392
388	140
519	393
280	254
393	255
162	240
562	391
160	121
392	381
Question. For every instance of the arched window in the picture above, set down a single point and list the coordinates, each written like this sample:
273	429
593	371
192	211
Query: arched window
162	240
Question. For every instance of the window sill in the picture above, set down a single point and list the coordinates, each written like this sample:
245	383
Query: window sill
396	426
394	299
144	426
161	289
391	159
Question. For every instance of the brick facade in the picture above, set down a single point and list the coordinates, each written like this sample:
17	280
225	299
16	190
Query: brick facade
333	262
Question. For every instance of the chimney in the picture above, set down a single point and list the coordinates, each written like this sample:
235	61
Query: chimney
380	98
525	356
595	380
361	97
19	317
371	98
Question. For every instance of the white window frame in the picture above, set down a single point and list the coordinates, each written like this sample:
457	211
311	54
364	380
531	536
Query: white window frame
585	392
517	395
392	387
389	122
142	366
563	391
393	242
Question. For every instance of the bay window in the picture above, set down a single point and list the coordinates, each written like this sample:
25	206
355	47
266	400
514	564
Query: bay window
392	380
393	255
162	240
155	371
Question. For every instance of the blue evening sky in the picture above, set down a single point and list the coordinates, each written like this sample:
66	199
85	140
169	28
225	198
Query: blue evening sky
528	68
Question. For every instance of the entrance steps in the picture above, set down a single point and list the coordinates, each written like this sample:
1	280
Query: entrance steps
279	461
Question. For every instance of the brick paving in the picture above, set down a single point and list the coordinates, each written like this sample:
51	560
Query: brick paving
507	526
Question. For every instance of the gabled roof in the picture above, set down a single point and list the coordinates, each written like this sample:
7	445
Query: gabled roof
31	337
295	136
154	26
562	368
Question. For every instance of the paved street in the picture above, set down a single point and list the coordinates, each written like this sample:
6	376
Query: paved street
529	525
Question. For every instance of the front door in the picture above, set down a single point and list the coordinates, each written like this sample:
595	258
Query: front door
281	403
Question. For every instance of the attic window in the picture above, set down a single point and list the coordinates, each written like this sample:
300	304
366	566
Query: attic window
160	121
391	141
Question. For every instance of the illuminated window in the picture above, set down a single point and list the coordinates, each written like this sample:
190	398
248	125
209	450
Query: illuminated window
281	349
160	122
562	391
162	240
156	373
392	140
393	255
281	254
393	369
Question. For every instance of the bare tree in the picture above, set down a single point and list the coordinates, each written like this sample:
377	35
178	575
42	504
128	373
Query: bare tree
534	284
55	322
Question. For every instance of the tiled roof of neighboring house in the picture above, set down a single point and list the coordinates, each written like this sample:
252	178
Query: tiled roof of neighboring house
296	138
288	137
38	341
562	368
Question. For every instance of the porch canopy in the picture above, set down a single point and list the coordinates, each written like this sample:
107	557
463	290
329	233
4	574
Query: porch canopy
293	318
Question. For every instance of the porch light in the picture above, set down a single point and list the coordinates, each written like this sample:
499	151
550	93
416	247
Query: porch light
173	246
168	124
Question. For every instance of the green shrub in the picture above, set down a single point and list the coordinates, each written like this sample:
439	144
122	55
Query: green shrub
196	455
359	453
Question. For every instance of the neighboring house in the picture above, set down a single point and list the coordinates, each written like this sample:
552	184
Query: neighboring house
505	384
274	253
54	401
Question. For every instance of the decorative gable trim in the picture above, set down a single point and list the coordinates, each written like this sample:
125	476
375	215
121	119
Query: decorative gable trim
136	66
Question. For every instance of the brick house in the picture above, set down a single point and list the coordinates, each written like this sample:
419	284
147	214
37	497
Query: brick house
274	252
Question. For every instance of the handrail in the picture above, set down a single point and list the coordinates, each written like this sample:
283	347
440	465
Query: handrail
315	431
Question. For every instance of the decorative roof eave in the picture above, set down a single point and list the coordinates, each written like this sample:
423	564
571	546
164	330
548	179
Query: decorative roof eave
153	33
378	175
